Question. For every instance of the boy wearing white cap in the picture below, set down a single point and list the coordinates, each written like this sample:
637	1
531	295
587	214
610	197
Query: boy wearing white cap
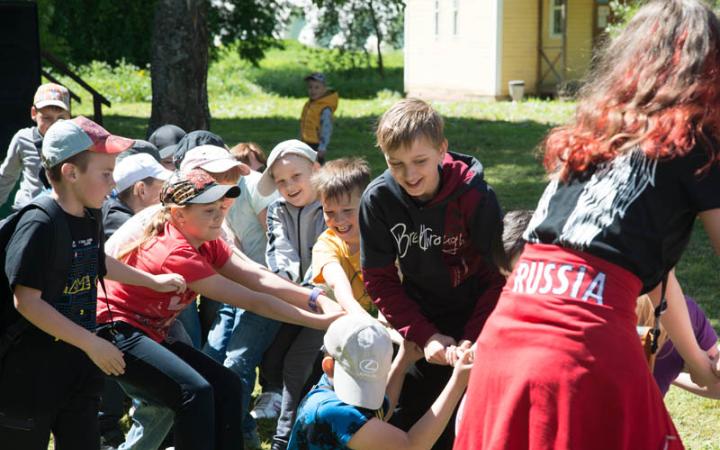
51	102
348	409
138	181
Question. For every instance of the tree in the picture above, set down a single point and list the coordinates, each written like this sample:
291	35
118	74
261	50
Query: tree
354	25
179	62
251	26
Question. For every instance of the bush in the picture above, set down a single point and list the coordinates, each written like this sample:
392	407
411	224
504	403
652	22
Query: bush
122	83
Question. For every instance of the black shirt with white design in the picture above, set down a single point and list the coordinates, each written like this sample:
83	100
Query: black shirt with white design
633	211
29	251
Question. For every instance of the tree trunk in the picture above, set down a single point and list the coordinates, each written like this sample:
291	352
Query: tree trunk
179	65
379	36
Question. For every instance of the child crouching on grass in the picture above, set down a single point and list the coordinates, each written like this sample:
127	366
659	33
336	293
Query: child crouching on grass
348	409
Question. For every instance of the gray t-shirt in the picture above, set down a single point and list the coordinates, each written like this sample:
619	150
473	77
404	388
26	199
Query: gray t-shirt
243	217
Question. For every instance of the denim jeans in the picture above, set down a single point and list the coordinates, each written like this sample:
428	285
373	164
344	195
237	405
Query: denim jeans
190	319
238	339
297	367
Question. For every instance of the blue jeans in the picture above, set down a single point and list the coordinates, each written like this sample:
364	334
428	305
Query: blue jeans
238	339
190	319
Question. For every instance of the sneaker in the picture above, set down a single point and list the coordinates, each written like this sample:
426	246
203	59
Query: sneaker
267	406
251	439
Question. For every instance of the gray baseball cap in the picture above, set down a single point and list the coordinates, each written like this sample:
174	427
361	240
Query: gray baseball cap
362	350
66	138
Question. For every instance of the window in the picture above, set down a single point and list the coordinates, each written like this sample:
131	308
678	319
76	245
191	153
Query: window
456	14
557	14
437	17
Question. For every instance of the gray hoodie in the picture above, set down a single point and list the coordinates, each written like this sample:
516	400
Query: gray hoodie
22	156
292	232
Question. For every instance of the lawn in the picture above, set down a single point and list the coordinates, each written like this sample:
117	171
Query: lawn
263	105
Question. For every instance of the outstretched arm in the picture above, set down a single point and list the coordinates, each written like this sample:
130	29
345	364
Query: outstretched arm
379	435
676	321
222	289
122	273
257	278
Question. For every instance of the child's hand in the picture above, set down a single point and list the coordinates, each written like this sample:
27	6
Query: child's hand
435	348
463	366
168	282
453	353
106	356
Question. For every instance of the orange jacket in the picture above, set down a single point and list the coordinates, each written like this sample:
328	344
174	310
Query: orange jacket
310	119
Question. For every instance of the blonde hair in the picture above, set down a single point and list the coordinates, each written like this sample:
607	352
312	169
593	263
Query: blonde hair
341	177
645	311
154	228
407	121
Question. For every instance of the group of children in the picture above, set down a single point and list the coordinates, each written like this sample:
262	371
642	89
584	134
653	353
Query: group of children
191	265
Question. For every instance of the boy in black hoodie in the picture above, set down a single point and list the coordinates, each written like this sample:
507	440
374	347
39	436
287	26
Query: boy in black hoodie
433	213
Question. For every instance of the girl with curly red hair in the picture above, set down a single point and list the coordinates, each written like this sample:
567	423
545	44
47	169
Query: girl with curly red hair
560	365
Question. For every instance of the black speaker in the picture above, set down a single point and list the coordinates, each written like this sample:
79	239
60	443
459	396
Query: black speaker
20	62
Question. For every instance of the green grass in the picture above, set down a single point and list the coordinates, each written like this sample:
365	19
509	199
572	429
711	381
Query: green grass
264	104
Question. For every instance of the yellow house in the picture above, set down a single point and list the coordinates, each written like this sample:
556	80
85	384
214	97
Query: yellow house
473	48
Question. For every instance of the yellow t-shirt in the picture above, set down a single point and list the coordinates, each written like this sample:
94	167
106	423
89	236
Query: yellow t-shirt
330	248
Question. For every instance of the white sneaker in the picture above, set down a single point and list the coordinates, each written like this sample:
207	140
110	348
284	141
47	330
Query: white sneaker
267	406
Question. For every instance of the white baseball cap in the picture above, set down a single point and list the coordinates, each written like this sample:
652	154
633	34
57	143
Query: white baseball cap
266	186
213	159
137	167
362	350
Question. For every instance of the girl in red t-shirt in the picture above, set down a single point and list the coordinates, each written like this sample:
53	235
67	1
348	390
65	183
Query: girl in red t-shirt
559	365
184	239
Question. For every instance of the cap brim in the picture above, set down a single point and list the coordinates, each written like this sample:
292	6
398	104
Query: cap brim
113	144
215	193
362	393
223	165
58	103
266	185
167	152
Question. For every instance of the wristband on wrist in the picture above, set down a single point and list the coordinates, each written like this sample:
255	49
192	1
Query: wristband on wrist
312	300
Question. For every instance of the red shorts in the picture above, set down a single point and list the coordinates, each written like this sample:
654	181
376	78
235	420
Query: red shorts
559	364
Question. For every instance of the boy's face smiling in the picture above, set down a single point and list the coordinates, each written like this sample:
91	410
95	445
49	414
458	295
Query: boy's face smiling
415	168
292	175
316	89
342	216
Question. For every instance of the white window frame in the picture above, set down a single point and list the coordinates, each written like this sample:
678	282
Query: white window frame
436	16
554	7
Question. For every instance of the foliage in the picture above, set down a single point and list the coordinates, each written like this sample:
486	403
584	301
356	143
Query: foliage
80	31
106	30
354	26
250	26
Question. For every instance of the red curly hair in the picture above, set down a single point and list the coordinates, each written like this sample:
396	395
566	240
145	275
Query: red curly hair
656	86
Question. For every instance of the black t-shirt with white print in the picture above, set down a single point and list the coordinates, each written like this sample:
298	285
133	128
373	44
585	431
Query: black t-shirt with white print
29	251
634	211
